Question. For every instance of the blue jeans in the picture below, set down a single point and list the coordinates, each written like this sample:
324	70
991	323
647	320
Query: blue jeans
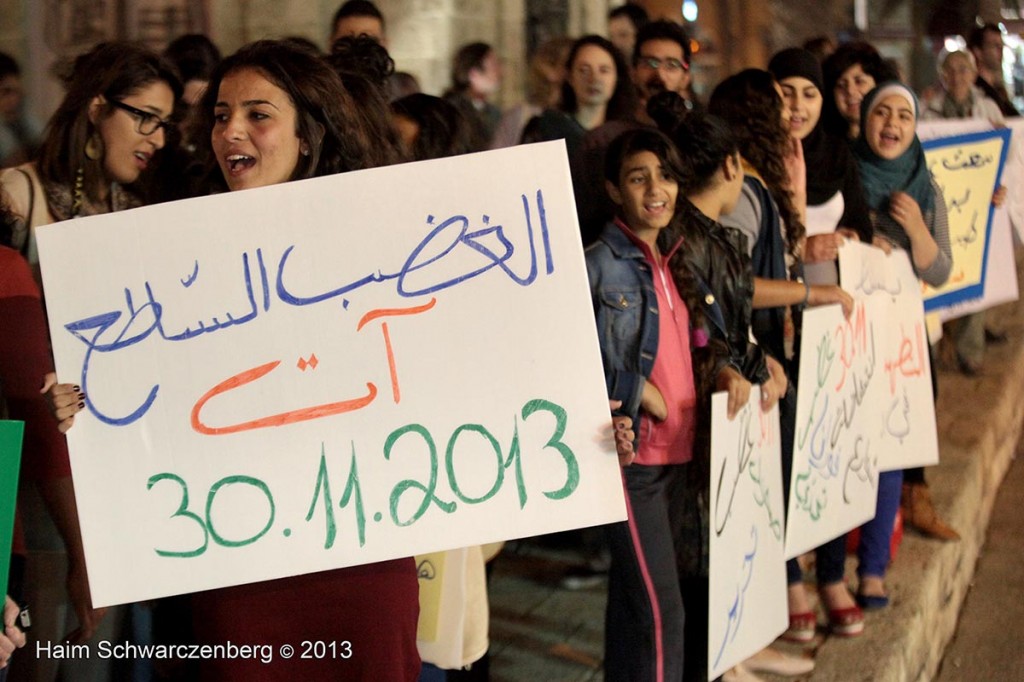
874	550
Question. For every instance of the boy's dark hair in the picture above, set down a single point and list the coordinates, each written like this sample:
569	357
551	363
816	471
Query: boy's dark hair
642	140
357	8
635	13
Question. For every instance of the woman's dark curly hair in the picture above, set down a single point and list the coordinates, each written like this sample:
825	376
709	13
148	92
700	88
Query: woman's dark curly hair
623	102
443	128
749	104
702	140
340	134
362	56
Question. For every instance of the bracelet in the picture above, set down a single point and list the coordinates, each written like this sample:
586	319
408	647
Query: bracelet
807	291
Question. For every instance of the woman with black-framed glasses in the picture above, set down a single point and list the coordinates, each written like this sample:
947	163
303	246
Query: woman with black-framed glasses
104	135
146	122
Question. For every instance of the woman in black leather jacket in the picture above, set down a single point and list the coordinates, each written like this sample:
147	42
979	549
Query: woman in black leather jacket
714	262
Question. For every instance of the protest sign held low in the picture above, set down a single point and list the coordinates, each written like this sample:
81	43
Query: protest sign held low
747	567
834	483
330	372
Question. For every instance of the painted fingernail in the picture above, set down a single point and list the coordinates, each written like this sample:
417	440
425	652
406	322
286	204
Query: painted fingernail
81	396
77	388
81	405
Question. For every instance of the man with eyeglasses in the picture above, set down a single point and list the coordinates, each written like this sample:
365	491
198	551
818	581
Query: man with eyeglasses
661	62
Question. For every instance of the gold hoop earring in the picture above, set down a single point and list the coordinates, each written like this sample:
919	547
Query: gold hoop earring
94	147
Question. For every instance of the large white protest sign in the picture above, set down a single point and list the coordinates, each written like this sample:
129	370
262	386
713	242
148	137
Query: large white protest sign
834	483
330	372
747	569
899	411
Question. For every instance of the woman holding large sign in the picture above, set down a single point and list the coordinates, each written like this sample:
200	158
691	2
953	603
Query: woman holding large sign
276	113
909	211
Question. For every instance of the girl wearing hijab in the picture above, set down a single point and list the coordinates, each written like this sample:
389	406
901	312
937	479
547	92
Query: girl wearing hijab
835	210
835	199
909	211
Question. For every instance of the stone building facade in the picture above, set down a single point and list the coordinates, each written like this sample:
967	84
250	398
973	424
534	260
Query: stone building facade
423	34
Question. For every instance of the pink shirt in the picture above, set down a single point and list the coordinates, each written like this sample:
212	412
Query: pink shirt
669	441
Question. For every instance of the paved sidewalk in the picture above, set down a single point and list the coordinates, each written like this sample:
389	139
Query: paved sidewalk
987	645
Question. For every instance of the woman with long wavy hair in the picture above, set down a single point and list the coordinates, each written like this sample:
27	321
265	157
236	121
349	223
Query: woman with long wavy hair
771	213
104	136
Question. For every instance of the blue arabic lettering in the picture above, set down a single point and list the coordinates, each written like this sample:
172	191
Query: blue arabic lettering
459	236
736	608
94	331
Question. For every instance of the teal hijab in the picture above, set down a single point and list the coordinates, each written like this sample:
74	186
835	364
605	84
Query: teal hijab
907	173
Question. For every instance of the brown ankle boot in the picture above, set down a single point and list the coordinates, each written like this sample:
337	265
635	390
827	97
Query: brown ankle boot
919	512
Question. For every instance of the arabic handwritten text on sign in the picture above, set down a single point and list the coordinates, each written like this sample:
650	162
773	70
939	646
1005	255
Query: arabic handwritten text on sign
330	372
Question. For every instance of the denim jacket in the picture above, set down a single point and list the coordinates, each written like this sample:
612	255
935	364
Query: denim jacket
626	311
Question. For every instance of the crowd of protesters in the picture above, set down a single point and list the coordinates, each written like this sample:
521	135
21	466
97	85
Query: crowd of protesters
694	217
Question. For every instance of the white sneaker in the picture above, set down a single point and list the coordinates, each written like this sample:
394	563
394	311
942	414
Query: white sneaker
774	662
739	673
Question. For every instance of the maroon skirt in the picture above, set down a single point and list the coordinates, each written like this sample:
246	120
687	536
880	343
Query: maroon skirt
354	623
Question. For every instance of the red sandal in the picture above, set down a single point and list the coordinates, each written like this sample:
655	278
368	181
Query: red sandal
848	622
802	627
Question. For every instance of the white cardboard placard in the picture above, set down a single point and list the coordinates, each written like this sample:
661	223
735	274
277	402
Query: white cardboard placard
899	410
834	483
330	372
747	571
